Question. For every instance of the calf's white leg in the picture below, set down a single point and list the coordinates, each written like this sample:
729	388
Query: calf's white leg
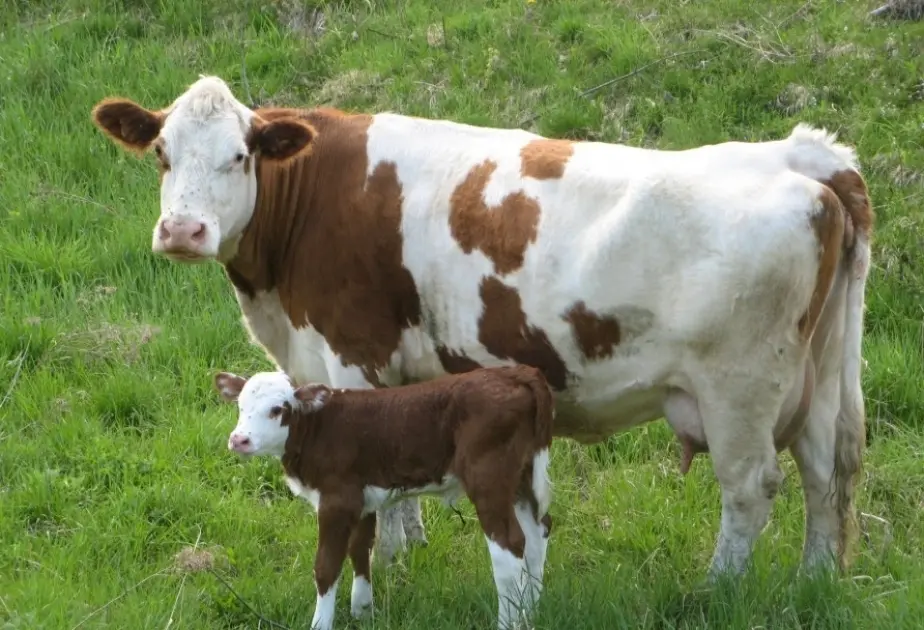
391	538
360	548
338	518
535	550
510	578
324	607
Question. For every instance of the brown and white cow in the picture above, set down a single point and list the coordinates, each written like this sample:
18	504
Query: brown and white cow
484	434
720	287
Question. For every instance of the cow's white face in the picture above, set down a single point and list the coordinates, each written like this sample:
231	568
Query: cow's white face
266	404
206	144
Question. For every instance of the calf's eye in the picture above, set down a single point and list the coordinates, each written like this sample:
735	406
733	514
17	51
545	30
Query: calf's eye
275	411
239	158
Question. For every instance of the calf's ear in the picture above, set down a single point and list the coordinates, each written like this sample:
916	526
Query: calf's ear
280	140
313	397
128	123
229	385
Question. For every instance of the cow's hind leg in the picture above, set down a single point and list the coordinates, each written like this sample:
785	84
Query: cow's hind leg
739	431
815	452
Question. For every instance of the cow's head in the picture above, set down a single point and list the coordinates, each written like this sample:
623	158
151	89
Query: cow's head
206	144
266	404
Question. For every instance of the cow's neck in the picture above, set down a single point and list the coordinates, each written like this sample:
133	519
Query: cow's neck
281	232
328	239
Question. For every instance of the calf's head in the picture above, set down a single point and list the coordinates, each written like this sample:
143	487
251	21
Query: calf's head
206	144
266	404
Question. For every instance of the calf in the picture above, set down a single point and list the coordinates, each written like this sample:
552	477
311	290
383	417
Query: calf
484	433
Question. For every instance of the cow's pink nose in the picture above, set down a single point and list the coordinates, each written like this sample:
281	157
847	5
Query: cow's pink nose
240	443
179	235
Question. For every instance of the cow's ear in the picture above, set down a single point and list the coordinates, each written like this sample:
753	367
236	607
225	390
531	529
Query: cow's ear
313	397
280	140
128	123
229	385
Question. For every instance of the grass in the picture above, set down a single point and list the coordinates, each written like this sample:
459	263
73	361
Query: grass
112	456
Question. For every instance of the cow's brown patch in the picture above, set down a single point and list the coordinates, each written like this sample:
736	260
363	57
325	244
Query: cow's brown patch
595	335
828	225
851	189
163	164
545	159
328	240
501	232
455	362
505	333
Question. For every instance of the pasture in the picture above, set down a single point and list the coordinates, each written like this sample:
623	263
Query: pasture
120	506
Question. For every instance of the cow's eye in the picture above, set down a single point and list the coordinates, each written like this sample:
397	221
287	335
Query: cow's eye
239	158
275	411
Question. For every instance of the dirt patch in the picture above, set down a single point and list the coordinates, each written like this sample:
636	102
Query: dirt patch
793	99
900	10
120	342
199	559
339	88
307	22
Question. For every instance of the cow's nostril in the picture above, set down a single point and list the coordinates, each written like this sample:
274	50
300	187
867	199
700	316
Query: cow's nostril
245	441
199	234
163	232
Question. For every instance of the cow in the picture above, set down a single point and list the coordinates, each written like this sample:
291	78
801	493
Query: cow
720	287
485	434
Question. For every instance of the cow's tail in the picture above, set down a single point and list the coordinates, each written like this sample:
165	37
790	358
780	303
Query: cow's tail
818	155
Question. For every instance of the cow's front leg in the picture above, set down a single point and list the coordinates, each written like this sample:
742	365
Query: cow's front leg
412	520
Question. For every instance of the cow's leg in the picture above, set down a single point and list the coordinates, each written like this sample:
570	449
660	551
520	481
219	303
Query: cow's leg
814	452
338	516
412	519
360	548
739	430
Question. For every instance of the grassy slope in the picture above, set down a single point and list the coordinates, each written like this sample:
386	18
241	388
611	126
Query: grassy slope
112	453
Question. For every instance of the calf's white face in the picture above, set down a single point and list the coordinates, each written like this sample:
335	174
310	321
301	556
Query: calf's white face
206	144
265	403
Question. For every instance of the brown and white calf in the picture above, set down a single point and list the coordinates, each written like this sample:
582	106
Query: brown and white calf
721	287
485	434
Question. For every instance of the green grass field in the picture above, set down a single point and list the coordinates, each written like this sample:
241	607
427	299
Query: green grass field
112	441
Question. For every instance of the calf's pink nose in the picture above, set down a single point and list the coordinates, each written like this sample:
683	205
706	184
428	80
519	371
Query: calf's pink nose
239	442
179	234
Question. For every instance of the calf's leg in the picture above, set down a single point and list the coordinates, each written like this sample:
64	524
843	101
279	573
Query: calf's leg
536	533
336	521
392	525
507	546
359	549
